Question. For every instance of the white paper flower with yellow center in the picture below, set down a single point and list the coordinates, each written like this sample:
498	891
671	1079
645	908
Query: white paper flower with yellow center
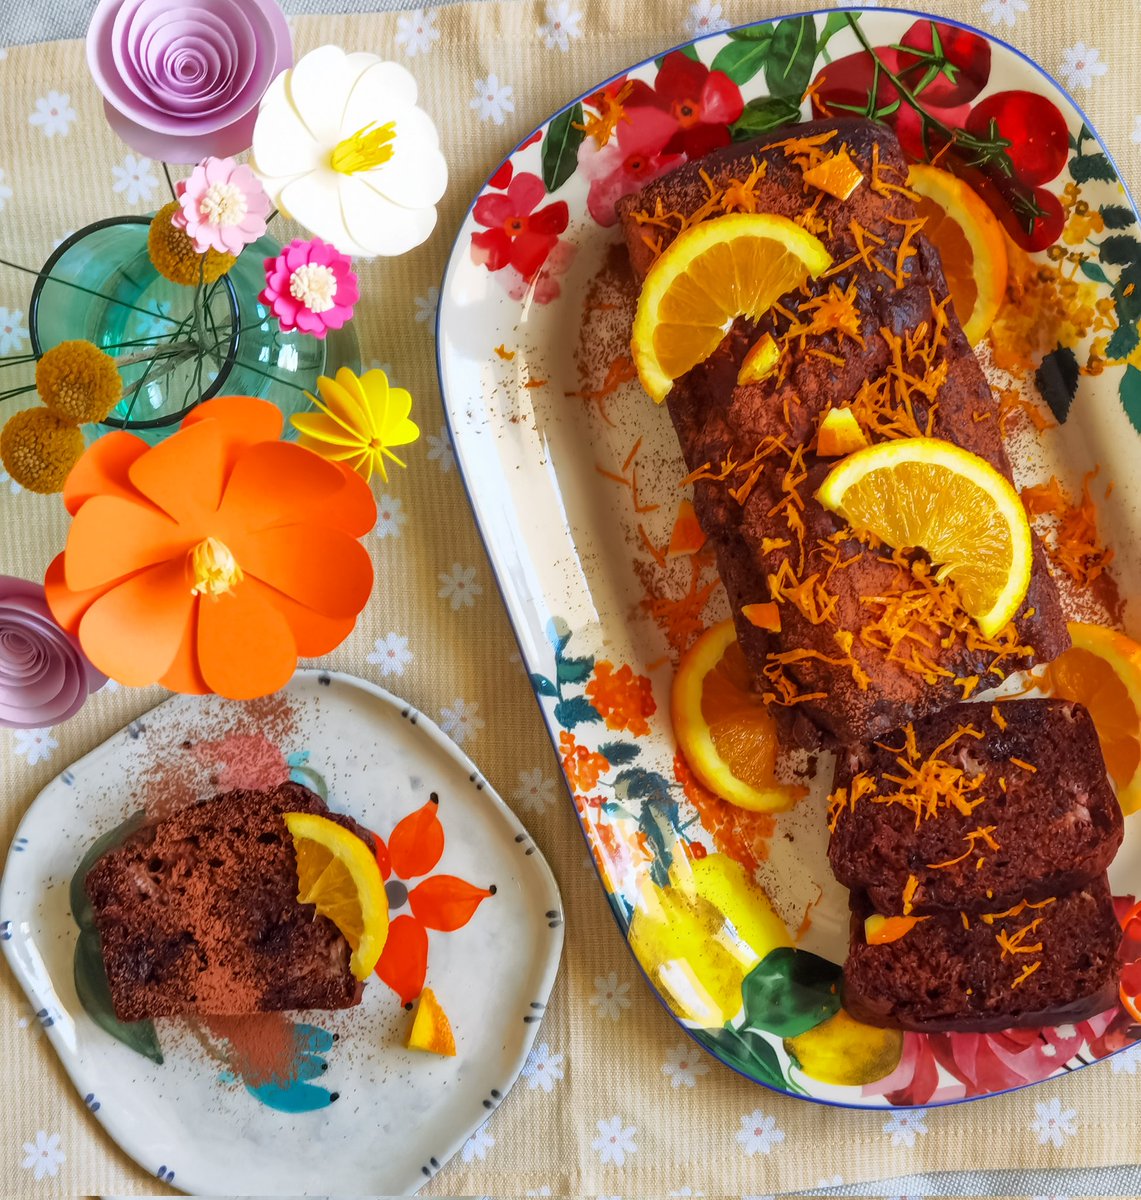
342	148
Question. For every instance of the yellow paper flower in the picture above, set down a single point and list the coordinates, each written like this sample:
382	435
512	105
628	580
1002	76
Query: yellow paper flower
39	449
78	382
174	256
360	420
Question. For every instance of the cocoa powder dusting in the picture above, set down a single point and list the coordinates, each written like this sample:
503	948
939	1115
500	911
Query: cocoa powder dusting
262	1047
602	357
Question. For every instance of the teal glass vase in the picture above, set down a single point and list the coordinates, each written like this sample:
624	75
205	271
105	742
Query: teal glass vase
176	345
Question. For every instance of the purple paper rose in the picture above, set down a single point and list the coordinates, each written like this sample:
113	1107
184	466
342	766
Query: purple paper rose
181	79
44	676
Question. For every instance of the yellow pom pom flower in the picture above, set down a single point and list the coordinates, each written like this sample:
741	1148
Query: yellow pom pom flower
39	449
78	382
360	419
174	256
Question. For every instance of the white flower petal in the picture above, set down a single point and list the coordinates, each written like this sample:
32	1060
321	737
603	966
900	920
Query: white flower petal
283	146
314	201
319	85
380	93
378	224
416	174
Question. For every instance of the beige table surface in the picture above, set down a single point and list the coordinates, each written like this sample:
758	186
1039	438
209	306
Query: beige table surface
608	1057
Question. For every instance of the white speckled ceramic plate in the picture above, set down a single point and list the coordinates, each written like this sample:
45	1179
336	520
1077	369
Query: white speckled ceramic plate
361	1114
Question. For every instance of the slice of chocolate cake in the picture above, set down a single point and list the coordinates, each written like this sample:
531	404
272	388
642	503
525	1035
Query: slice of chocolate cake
198	913
1053	963
975	807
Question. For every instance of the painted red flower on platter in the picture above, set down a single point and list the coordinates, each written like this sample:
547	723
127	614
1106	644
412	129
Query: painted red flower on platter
703	104
519	232
437	902
633	157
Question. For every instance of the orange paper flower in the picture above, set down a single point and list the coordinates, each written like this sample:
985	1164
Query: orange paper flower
209	562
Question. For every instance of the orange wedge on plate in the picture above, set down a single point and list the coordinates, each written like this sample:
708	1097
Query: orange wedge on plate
1102	670
970	242
716	271
727	735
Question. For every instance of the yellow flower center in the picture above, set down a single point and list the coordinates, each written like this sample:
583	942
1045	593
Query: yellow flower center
215	569
315	285
223	204
364	150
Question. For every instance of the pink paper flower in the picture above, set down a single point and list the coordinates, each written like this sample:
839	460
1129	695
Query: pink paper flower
224	206
310	286
631	159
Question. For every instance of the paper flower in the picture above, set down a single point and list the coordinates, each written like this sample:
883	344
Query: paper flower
181	79
38	449
360	419
309	286
78	382
174	256
209	562
342	148
223	206
44	677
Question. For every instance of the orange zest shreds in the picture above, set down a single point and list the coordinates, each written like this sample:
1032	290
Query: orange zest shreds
751	468
1072	542
906	248
1027	971
659	556
981	834
788	657
809	596
880	930
835	174
844	798
1015	943
504	353
602	124
782	689
763	616
1012	403
1019	762
966	920
687	537
621	370
536	383
980	417
864	253
881	185
1002	782
997	717
909	890
734	196
827	355
968	683
680	618
810	218
806	152
1017	910
770	544
793	503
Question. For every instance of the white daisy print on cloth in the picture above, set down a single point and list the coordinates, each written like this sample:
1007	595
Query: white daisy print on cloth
3	53
1003	12
461	720
1126	1062
134	177
684	1064
426	306
390	654
1081	64
416	31
477	1145
830	1181
610	997
759	1133
34	745
561	25
390	516
614	1142
53	114
535	791
1054	1124
1137	128
492	100
903	1126
704	17
13	332
459	587
43	1156
543	1069
441	451
5	190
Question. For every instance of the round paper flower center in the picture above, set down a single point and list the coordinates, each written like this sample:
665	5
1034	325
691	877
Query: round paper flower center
315	286
214	567
223	204
364	150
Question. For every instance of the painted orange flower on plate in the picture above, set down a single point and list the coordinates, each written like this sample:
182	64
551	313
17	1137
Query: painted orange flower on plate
440	902
623	699
210	562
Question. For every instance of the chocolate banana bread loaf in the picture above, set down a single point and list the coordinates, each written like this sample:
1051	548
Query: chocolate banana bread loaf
1052	964
199	913
978	806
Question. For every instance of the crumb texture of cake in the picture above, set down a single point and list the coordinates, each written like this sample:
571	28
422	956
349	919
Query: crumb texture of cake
198	913
1053	964
865	643
976	806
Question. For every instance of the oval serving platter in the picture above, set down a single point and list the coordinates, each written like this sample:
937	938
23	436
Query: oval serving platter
352	1111
574	478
